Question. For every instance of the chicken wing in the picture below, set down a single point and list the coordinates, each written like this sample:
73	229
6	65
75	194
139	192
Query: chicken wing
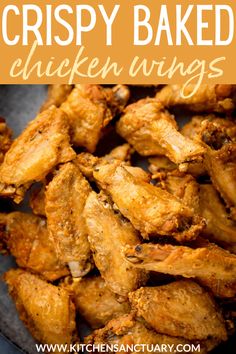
108	233
37	200
183	186
5	138
211	265
42	145
208	98
151	130
151	210
219	227
220	162
57	94
95	301
127	331
27	239
46	310
193	128
181	308
90	108
65	199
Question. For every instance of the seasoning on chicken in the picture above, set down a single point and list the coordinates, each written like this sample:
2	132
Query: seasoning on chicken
42	145
46	310
65	198
152	130
127	330
108	233
95	301
151	210
211	265
90	108
220	228
182	308
27	239
220	162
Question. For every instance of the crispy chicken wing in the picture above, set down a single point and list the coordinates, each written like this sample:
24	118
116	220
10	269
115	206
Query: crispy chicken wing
220	162
5	138
108	233
89	163
219	227
57	94
65	199
151	210
193	128
151	130
208	98
181	308
95	301
211	265
27	239
42	145
90	108
126	330
183	186
46	310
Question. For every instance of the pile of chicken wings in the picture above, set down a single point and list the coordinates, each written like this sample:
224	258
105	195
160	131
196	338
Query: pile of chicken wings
143	255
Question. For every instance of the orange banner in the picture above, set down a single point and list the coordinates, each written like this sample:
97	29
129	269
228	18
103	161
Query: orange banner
148	42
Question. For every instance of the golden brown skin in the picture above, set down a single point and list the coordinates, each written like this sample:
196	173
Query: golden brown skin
108	233
126	330
152	130
65	199
220	162
46	310
208	98
57	94
193	128
95	301
183	186
90	108
5	138
37	201
27	239
88	164
151	210
211	265
219	227
42	145
159	164
121	152
181	308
